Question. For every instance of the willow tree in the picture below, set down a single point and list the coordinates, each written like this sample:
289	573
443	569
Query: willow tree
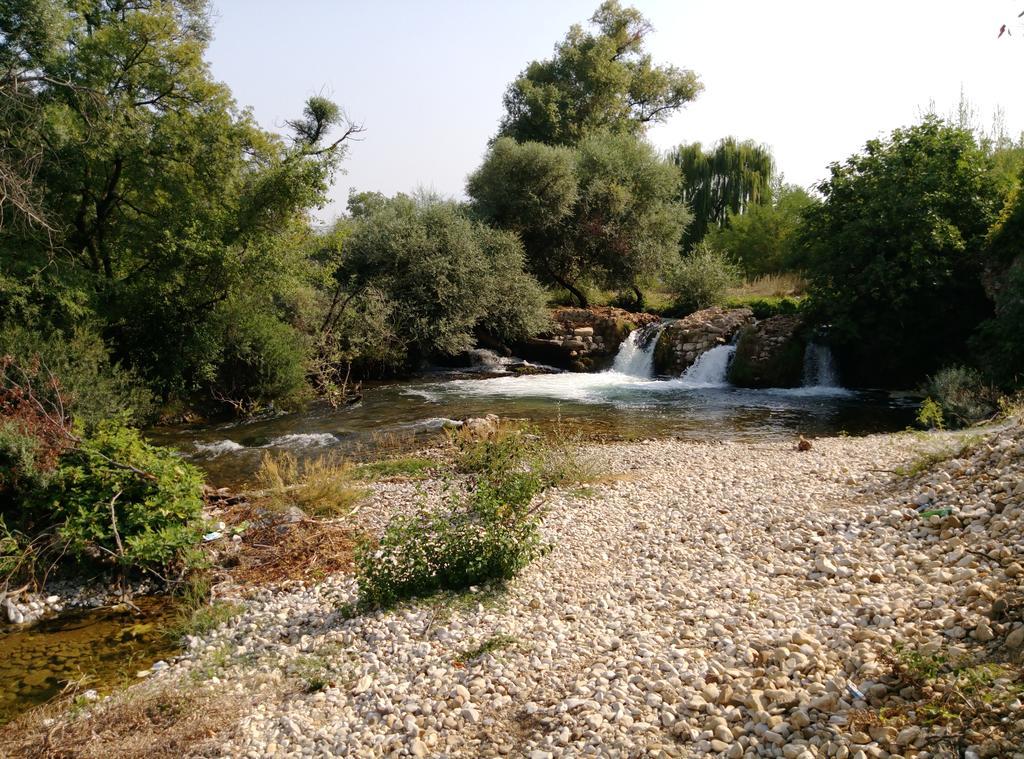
601	81
729	178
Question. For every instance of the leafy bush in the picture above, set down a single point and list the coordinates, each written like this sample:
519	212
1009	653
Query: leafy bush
491	533
764	308
701	278
116	498
930	415
961	395
97	386
488	535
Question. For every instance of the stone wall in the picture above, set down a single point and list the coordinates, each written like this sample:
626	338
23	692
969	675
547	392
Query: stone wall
683	341
584	339
770	354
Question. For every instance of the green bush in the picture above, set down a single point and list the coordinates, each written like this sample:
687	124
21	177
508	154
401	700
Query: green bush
701	279
489	534
112	500
765	307
962	396
90	379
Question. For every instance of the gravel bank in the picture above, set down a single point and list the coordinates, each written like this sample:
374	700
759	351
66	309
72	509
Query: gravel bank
716	599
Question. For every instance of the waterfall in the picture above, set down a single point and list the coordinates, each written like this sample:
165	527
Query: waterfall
819	368
488	361
710	368
636	354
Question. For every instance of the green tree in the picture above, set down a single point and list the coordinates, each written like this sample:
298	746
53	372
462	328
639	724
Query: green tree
762	239
437	275
604	211
730	178
164	199
602	81
894	252
627	223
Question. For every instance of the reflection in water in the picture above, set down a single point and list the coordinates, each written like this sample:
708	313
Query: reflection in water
610	405
96	648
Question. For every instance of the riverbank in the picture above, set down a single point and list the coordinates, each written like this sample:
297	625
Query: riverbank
702	598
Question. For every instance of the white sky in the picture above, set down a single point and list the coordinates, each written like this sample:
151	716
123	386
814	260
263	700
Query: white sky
814	79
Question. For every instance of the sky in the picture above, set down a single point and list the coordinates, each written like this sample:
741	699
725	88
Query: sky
812	79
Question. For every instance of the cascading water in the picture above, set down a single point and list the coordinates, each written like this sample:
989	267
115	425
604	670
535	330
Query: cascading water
636	354
819	368
711	368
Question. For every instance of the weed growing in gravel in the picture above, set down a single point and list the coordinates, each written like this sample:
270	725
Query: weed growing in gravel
927	459
406	467
490	533
488	646
197	613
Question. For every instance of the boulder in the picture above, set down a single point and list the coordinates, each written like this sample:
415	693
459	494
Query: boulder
683	341
770	354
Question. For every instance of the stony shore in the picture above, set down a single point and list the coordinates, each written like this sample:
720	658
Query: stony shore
731	599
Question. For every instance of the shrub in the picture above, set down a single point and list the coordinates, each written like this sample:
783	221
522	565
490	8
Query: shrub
961	395
766	307
109	499
488	535
701	279
930	415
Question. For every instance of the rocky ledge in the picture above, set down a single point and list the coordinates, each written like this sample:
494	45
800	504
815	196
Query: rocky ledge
683	341
584	339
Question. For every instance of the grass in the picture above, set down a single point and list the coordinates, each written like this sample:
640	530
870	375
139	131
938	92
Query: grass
488	646
927	459
152	720
196	612
971	693
320	487
786	285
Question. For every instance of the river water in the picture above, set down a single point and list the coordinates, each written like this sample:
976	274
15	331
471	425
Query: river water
625	402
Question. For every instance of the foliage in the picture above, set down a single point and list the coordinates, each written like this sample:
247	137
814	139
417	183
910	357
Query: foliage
1000	340
97	386
728	179
411	467
701	279
761	238
161	198
489	533
602	81
961	396
627	223
437	275
896	240
930	415
766	307
603	211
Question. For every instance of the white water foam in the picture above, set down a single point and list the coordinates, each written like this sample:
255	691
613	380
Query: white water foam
819	367
711	368
303	440
636	354
213	450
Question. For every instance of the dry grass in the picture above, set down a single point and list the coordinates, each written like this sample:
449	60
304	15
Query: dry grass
320	487
152	720
771	286
277	547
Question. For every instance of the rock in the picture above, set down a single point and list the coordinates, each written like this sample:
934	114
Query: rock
769	354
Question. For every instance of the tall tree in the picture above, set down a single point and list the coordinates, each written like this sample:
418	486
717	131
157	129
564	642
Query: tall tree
165	199
603	212
602	80
729	178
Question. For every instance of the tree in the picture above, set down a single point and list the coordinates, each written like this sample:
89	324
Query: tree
894	252
165	199
601	81
604	211
762	240
437	275
627	223
730	178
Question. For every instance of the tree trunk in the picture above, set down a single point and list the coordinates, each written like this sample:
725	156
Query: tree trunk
640	302
576	292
